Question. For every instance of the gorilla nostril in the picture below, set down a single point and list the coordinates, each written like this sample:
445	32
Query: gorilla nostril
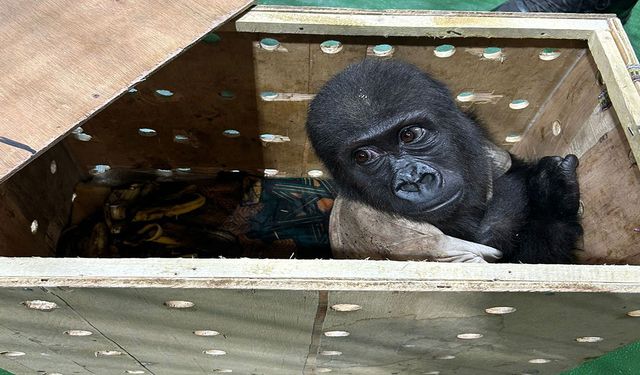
408	187
427	179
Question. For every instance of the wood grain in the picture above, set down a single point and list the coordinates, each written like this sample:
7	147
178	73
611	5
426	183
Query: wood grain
80	57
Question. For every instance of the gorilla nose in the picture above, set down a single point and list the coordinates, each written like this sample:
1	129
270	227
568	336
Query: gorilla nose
412	182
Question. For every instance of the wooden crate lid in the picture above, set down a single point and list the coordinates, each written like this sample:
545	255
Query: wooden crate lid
64	60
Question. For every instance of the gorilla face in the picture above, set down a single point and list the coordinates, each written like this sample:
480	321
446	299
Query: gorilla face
392	137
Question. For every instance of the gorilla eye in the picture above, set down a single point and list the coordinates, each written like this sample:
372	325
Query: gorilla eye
408	135
362	156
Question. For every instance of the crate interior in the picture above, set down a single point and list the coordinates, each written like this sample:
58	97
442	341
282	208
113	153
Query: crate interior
220	106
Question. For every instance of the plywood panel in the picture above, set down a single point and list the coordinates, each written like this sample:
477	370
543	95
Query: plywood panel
36	203
81	56
289	332
213	90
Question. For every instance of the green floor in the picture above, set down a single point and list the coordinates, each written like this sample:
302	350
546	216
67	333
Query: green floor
624	361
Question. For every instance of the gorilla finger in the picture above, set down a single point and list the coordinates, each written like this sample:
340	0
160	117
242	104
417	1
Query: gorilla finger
570	163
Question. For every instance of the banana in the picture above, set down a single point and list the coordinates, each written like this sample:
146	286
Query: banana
155	213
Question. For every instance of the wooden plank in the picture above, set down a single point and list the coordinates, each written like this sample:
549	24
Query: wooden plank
82	56
275	331
284	70
297	20
610	187
412	333
260	332
622	91
315	275
36	203
212	93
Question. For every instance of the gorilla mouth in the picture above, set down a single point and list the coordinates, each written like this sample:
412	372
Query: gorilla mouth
449	201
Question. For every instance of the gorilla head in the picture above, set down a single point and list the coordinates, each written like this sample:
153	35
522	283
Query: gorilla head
393	137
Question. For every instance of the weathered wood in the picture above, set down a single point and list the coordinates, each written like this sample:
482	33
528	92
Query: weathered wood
36	196
297	20
622	91
82	56
213	86
267	332
315	275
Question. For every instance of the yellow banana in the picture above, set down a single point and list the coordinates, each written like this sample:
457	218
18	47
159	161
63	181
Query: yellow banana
155	213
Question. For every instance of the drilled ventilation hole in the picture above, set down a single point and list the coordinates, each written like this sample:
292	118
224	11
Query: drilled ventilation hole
180	138
315	173
212	38
179	304
214	352
12	354
323	370
539	360
270	172
330	353
581	208
206	332
444	51
465	96
519	104
556	128
34	227
107	353
345	307
331	47
78	332
222	370
235	171
589	339
164	93
492	53
469	336
147	132
40	305
164	172
82	137
548	54
99	169
227	94
269	44
231	133
409	346
336	333
500	310
446	357
634	314
53	167
269	95
513	138
431	373
73	197
383	50
183	170
134	372
274	138
132	90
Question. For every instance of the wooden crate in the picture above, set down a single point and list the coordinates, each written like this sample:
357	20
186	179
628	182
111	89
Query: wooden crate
100	65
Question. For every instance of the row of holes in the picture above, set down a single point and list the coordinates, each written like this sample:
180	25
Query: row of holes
41	305
443	51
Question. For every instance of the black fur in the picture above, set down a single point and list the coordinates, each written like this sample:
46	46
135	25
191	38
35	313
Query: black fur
393	137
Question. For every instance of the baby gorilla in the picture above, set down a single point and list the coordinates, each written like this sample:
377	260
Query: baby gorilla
393	138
